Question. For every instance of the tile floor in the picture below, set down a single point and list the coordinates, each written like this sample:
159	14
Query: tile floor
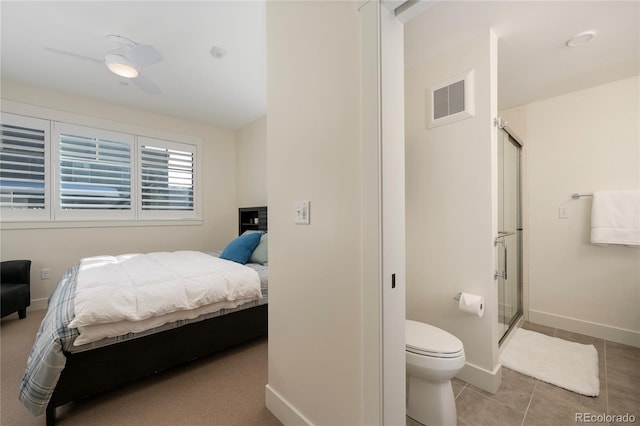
524	401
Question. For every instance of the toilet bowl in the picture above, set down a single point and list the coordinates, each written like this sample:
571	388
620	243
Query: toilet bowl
434	357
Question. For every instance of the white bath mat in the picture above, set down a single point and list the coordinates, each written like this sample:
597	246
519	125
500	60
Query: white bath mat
569	365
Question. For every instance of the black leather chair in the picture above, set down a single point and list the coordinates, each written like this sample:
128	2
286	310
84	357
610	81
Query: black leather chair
15	284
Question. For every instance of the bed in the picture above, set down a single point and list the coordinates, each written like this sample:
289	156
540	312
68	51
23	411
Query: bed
59	372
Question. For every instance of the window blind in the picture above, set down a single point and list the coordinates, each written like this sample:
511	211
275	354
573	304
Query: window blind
22	167
167	177
95	173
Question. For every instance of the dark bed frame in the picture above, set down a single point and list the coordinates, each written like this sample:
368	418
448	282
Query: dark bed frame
97	370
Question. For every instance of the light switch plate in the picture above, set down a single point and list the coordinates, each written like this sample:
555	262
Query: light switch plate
302	212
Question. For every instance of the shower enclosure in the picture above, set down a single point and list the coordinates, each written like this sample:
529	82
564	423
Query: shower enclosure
508	242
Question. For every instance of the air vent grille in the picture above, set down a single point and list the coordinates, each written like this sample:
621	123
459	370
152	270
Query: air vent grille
451	100
448	100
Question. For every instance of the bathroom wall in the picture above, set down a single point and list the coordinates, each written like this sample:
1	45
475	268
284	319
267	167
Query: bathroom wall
581	142
450	205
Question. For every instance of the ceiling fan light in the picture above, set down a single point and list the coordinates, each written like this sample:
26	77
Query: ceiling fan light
119	65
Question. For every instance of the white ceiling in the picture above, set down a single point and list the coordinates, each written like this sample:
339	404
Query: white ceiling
533	61
231	92
228	92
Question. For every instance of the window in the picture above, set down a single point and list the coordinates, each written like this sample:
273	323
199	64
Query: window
166	178
93	177
23	168
93	174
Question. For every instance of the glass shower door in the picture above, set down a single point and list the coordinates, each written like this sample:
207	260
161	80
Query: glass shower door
508	242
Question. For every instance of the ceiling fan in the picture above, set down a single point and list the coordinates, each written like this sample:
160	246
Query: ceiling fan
125	59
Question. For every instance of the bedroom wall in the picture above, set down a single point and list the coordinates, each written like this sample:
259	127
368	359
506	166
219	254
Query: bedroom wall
58	249
314	153
451	181
581	142
251	164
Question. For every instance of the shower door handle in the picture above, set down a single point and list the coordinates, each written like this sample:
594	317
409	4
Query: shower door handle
506	262
501	239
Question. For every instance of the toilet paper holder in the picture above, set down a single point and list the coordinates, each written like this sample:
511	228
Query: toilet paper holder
472	304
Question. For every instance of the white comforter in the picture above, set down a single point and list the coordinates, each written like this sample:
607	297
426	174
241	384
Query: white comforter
138	288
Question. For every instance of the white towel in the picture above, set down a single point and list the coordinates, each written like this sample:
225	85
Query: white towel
615	217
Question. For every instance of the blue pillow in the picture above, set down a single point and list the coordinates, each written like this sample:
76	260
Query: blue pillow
240	249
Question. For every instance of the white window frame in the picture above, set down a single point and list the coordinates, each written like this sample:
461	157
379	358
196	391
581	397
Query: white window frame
26	214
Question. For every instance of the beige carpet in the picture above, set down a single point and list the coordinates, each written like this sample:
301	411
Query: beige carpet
223	389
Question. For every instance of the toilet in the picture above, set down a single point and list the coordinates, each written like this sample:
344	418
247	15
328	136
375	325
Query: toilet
434	357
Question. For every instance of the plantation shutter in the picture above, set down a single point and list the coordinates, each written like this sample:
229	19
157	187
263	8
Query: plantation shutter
23	165
167	176
94	171
53	171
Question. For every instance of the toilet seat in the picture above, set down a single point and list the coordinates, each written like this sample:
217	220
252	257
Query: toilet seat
427	340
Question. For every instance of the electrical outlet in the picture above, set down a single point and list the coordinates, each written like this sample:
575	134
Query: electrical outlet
45	274
563	212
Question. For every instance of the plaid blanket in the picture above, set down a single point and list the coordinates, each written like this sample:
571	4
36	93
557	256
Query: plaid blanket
47	360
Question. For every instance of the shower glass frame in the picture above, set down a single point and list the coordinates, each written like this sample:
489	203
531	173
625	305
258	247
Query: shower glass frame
511	288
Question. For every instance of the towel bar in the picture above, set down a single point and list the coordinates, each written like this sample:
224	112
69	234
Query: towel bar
575	195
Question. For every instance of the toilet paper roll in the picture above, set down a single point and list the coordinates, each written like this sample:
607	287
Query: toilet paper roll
472	304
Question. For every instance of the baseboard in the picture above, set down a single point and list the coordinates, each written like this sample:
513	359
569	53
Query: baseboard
484	379
38	305
601	331
282	409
